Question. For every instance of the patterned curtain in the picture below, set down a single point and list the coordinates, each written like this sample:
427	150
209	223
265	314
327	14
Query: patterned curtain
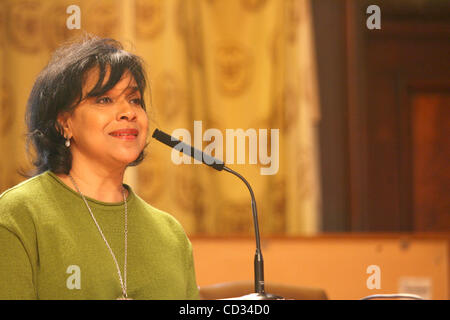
228	63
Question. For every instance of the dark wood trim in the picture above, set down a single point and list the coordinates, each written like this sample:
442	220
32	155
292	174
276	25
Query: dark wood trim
357	118
405	155
330	45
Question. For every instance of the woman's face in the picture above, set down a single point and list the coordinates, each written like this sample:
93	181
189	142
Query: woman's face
94	120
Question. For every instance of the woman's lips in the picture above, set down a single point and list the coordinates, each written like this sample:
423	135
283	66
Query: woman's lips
125	137
125	134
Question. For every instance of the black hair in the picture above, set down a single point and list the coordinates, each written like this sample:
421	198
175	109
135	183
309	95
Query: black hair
58	89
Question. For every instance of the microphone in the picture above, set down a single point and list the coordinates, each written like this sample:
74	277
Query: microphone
188	150
219	166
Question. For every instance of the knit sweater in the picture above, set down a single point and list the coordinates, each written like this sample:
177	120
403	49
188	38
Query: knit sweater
50	247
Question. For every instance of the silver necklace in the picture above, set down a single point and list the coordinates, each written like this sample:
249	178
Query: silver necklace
123	281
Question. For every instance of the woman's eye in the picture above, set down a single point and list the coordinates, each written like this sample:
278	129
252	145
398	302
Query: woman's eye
136	101
104	100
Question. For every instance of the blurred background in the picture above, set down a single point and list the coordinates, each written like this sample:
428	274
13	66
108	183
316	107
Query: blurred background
363	115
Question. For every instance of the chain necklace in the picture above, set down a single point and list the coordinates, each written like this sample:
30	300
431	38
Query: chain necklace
123	281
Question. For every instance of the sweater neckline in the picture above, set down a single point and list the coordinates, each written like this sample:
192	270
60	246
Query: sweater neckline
129	199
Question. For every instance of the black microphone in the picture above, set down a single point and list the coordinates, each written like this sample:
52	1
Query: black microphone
188	150
219	165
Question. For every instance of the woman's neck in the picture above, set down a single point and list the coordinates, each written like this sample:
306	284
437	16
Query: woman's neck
97	184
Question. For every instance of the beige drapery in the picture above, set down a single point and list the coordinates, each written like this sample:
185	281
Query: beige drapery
228	63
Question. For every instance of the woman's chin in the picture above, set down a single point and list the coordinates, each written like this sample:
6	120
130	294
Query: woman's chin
125	160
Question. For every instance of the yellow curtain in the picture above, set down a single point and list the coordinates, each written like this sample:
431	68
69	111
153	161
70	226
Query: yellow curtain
229	63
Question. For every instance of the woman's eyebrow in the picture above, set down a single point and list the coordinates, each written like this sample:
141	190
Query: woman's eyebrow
131	90
127	91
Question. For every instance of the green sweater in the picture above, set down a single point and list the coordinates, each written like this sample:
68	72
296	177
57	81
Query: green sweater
50	247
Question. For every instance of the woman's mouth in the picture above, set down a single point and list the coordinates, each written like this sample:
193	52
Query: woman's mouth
125	134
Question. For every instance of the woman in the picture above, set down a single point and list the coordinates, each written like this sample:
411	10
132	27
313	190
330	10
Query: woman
74	230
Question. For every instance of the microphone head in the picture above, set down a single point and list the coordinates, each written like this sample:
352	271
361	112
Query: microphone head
188	150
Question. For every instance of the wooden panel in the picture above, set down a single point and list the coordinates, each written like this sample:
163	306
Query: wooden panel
431	161
384	185
336	263
383	65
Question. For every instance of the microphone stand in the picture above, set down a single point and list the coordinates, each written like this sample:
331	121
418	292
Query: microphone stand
178	145
260	293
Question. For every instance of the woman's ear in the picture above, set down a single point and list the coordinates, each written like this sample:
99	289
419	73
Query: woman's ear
62	121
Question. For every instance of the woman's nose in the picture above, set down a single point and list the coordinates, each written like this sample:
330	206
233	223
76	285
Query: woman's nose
127	111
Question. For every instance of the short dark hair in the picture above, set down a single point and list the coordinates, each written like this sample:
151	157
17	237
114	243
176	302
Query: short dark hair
58	89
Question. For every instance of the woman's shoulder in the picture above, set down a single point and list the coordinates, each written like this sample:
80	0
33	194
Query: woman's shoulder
16	195
16	203
16	200
156	213
160	217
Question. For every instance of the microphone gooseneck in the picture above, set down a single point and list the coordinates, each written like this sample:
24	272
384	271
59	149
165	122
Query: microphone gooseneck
219	165
258	262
